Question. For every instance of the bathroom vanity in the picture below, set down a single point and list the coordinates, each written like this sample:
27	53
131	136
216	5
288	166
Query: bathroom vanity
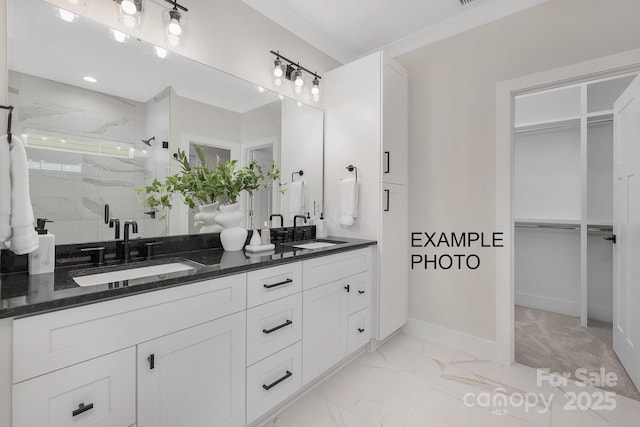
228	344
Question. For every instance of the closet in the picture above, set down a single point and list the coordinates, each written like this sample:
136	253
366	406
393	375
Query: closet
563	198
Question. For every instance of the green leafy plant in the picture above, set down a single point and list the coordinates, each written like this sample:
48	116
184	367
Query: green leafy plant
199	184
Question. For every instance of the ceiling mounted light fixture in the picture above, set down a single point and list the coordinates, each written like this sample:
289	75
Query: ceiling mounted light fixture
174	23
286	68
129	12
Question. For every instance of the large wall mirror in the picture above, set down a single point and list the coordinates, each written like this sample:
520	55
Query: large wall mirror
102	113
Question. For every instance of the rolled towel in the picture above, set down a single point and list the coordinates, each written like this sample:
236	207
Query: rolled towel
296	198
348	201
24	238
5	192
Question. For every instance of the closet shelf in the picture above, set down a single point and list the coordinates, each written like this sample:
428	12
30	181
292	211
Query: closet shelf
548	124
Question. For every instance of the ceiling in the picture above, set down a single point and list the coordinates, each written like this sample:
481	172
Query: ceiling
349	29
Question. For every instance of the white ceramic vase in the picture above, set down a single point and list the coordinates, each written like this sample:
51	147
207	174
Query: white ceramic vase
233	236
207	216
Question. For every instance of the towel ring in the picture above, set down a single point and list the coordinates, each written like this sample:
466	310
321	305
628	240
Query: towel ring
351	168
300	173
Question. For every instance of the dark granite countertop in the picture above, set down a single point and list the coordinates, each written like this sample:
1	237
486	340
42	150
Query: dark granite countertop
22	294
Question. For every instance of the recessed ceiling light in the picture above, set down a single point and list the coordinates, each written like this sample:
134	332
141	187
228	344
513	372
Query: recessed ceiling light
90	79
160	52
118	36
67	16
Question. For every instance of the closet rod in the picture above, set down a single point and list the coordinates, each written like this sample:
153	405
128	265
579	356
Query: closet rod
550	226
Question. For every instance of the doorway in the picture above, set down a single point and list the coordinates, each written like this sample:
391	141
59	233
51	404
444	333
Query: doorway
563	205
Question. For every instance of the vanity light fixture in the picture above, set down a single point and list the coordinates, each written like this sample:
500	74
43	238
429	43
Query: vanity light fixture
286	68
118	36
174	23
67	16
129	12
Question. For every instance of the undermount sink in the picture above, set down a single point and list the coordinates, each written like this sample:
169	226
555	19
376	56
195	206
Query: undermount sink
317	244
159	271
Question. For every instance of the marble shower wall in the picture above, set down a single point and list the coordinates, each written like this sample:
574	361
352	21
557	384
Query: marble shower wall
71	188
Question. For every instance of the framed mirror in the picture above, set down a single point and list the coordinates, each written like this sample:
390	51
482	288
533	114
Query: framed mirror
102	113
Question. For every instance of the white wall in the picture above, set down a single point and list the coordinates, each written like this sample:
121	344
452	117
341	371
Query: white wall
225	34
452	134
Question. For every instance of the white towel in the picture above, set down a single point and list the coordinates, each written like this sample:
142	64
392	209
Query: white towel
296	198
24	238
348	201
5	192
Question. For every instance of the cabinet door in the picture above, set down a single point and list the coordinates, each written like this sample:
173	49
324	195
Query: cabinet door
97	393
324	328
195	377
394	123
393	284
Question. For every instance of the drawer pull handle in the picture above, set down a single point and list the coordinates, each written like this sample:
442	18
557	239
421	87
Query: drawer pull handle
387	168
273	384
348	288
360	330
152	361
82	408
361	292
268	331
286	282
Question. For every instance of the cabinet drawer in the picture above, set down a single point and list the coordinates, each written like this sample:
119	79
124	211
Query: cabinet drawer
330	268
273	380
272	283
273	326
100	393
359	295
359	327
54	340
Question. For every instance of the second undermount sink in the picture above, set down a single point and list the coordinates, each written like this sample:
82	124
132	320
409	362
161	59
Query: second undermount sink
160	271
317	244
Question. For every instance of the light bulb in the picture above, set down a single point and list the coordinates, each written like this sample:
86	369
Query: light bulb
315	90
160	52
90	79
67	16
277	68
299	82
119	36
173	40
278	81
129	21
174	27
128	7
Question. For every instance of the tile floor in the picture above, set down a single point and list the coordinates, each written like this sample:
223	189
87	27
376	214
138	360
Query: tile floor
411	382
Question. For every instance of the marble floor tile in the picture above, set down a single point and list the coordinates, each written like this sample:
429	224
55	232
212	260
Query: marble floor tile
411	382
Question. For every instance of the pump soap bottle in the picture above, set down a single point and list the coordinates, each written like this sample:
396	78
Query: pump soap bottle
43	259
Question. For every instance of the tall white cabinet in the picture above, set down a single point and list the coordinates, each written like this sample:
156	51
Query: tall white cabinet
366	103
563	171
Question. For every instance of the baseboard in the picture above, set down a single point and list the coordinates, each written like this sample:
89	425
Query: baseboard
553	305
479	347
602	313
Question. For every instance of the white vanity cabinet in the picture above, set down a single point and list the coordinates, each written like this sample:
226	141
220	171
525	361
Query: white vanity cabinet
366	125
193	336
336	316
194	377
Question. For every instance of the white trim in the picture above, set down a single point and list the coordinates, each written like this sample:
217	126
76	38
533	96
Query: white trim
478	347
473	16
600	67
555	305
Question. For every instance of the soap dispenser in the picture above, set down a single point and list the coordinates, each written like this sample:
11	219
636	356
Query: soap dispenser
265	233
43	259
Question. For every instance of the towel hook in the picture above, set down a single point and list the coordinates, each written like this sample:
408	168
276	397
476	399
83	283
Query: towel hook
10	108
351	168
300	173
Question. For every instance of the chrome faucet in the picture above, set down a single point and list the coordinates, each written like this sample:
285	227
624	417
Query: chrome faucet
126	245
295	225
